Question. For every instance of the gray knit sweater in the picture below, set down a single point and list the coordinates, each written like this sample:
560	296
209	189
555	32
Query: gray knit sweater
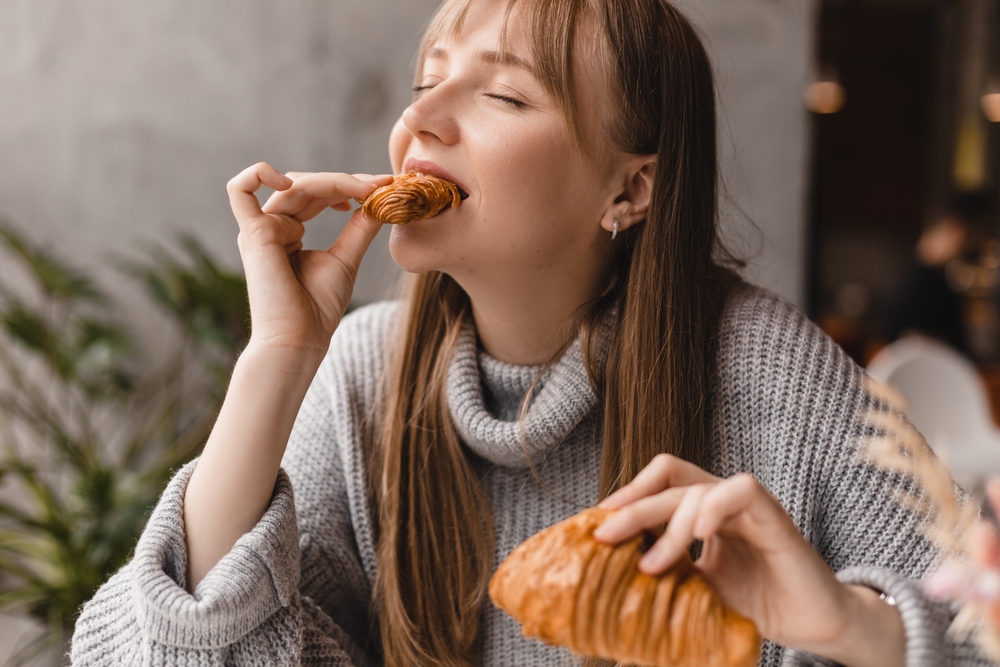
297	589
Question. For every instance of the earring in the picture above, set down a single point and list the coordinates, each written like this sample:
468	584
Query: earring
614	232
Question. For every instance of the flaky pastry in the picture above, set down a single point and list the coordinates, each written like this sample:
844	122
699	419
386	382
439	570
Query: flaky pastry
411	197
568	589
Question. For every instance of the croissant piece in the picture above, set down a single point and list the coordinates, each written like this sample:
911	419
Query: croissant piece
411	197
568	589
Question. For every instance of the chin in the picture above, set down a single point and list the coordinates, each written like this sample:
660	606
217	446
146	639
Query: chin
413	251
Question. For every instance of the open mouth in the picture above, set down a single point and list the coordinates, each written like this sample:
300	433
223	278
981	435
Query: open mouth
462	194
414	165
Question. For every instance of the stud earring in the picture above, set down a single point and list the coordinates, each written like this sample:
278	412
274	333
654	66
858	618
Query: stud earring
614	232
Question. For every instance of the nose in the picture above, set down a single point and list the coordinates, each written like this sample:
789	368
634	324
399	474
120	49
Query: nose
431	117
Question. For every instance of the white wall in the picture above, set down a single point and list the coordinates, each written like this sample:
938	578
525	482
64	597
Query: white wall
122	121
762	52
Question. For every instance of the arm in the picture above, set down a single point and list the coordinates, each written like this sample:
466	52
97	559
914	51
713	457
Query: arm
232	484
757	560
793	412
247	611
245	606
297	298
292	588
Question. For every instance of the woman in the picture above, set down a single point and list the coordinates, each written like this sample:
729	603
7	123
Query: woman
566	324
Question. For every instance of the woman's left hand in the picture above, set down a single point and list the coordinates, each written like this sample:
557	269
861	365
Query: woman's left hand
756	559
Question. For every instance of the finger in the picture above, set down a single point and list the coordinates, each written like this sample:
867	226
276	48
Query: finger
353	242
643	514
243	186
332	187
377	179
314	208
726	500
269	233
317	206
293	247
662	472
679	533
742	504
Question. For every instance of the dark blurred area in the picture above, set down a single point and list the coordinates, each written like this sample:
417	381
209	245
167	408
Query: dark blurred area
903	219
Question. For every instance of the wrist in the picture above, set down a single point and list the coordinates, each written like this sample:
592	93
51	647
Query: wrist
872	632
282	358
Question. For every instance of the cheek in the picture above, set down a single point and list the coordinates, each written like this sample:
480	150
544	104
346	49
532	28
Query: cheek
539	181
399	141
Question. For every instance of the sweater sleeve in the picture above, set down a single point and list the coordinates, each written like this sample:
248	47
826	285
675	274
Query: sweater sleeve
795	414
871	539
295	590
247	609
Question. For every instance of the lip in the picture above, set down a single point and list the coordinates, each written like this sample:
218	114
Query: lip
414	165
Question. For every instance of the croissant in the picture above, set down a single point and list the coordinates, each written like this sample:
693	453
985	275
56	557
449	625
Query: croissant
568	589
411	197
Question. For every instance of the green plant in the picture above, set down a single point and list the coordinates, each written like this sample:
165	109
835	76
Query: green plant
89	436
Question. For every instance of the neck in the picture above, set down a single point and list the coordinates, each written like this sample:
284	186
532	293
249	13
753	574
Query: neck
526	324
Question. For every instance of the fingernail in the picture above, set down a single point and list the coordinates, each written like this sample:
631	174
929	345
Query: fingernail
651	562
604	532
611	502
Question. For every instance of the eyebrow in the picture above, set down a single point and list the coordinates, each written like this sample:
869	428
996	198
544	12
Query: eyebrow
504	58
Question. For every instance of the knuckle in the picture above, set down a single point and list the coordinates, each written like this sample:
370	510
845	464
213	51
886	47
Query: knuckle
262	235
663	461
671	540
630	514
745	481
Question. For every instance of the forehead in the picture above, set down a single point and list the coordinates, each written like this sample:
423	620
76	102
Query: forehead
557	40
487	56
494	29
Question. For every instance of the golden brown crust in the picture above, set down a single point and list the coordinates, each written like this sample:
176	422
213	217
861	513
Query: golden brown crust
566	588
411	197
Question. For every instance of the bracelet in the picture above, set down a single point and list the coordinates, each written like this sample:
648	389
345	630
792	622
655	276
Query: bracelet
888	599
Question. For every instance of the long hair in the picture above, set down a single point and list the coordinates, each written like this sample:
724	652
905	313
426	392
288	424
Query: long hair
435	541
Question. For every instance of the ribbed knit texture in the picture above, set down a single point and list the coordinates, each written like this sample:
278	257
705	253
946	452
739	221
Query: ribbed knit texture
297	590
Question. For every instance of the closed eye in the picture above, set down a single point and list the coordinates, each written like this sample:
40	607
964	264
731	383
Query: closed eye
509	100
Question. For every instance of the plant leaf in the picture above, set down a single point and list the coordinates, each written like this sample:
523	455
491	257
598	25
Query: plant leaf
53	277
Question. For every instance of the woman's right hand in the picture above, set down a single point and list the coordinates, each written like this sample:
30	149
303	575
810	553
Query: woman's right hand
298	296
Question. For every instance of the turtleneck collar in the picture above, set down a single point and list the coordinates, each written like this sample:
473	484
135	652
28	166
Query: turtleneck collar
485	395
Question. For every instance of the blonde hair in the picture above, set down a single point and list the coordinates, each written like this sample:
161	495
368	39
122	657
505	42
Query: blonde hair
434	529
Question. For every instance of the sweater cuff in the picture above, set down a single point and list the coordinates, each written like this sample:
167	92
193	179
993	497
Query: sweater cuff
924	621
256	578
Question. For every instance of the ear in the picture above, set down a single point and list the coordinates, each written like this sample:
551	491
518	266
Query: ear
632	197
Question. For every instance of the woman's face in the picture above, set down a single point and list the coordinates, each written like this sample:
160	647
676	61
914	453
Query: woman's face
535	201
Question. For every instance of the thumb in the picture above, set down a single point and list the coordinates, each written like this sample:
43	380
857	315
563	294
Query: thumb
352	244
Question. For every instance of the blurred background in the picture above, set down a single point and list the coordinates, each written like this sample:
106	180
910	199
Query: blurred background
861	141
